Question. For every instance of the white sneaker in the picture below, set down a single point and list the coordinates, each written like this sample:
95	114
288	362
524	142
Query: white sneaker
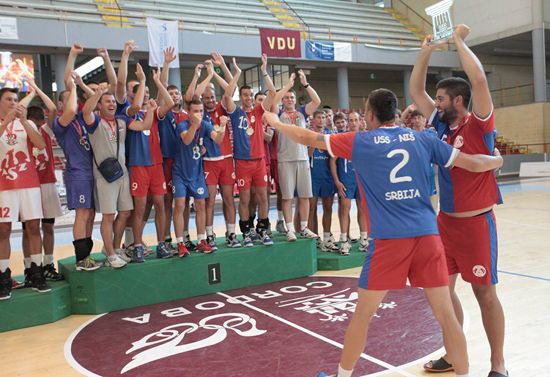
330	246
291	236
363	244
115	261
345	248
306	233
122	254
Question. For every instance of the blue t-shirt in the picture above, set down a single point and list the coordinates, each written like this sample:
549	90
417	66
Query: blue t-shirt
346	172
320	166
168	137
188	159
393	169
75	142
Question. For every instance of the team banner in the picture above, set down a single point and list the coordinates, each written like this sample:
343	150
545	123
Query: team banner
162	34
281	43
334	51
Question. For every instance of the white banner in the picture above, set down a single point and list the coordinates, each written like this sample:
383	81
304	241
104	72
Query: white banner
162	34
8	28
342	51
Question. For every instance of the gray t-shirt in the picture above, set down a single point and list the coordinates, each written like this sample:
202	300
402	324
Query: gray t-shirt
288	150
103	137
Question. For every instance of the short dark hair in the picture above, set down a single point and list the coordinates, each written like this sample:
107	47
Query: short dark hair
260	93
317	112
6	90
35	113
172	87
106	94
456	86
92	82
243	88
327	107
416	113
339	116
195	101
383	103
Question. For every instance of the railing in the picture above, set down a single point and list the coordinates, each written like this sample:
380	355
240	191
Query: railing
513	95
299	17
507	149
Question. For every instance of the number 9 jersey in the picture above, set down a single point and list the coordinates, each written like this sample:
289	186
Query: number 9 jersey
393	171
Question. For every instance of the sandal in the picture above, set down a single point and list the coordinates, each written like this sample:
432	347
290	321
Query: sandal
441	365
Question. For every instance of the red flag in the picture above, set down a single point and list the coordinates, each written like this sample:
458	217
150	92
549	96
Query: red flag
281	43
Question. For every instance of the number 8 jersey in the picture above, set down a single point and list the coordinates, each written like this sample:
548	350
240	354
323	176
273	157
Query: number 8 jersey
393	170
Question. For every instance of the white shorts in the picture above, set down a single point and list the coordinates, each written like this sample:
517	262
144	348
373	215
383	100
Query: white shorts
20	205
51	205
295	177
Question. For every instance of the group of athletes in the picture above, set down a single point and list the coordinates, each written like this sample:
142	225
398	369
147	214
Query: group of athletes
126	153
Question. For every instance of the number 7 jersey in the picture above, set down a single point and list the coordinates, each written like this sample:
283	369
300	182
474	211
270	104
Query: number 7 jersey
393	170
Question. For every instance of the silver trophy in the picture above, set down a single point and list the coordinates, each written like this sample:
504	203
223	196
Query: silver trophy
441	20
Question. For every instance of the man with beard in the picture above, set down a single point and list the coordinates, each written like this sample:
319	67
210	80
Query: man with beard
467	199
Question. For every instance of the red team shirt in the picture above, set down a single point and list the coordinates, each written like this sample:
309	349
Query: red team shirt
17	162
461	190
257	139
44	158
214	151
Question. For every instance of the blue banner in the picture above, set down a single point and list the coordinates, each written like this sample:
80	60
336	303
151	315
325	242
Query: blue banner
319	50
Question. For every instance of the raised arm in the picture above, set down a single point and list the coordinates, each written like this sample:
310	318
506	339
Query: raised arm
481	95
297	134
26	101
221	82
34	136
169	57
165	100
76	49
227	100
70	108
137	104
120	94
271	91
315	100
417	84
190	92
91	104
109	70
147	123
478	163
85	88
281	93
218	61
204	83
52	109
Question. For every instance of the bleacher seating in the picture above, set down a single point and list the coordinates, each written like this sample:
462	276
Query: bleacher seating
351	22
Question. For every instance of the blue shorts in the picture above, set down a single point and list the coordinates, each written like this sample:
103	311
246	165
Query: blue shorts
185	189
80	193
352	190
323	189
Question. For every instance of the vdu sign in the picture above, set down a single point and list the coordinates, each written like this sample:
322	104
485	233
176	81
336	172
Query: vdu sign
441	20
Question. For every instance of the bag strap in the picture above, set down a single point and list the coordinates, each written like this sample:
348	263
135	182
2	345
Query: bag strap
117	143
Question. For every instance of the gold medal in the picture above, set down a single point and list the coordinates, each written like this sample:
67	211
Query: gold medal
250	131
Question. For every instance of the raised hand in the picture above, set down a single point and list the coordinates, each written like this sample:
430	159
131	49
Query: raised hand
156	75
169	55
217	59
195	119
303	78
198	69
223	121
129	46
140	75
103	87
263	66
76	49
102	52
21	112
461	31
151	105
209	66
291	79
236	68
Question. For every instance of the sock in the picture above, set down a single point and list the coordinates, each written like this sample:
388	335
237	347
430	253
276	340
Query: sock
209	230
344	373
251	218
4	264
81	249
244	226
128	236
290	227
168	239
364	235
280	216
89	246
250	223
36	259
326	236
48	259
27	262
179	239
303	225
185	233
343	237
201	237
230	228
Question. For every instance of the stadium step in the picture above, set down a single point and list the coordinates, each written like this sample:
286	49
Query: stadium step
112	14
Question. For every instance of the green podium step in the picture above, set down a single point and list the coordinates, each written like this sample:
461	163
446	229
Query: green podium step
28	308
160	280
335	261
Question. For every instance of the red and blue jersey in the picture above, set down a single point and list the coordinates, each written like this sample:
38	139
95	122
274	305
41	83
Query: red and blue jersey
216	151
461	190
188	160
167	132
75	142
248	133
393	172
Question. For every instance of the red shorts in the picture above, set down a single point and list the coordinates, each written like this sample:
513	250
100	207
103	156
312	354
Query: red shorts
274	172
471	246
147	179
220	172
168	164
390	262
250	173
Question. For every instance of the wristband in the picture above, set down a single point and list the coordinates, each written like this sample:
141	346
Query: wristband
306	86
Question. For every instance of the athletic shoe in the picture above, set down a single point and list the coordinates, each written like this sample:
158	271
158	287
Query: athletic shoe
254	236
266	240
211	240
182	250
88	264
5	284
364	244
124	255
137	256
280	227
232	240
306	233
330	246
190	245
345	248
247	241
38	282
204	247
115	261
170	247
27	283
16	284
269	232
291	236
162	251
51	274
147	250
